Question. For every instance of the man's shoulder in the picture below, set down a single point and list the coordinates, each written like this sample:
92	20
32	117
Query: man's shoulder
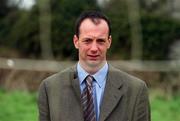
128	79
61	75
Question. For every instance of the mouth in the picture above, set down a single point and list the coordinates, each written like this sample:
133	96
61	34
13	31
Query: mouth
93	57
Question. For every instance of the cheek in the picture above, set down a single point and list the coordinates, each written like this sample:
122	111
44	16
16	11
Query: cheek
103	49
83	49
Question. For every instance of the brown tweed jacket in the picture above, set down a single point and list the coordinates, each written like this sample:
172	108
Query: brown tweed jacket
125	98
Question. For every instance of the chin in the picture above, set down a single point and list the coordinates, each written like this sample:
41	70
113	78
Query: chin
94	63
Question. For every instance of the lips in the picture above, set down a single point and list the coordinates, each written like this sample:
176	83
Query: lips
93	57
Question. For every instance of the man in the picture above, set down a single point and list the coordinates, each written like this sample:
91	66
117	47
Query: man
93	90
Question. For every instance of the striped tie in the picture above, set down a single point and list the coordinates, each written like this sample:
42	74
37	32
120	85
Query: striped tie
87	100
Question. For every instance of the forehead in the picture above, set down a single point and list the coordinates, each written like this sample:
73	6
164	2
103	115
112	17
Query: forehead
96	26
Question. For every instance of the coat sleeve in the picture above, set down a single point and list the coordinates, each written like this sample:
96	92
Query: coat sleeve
142	107
43	104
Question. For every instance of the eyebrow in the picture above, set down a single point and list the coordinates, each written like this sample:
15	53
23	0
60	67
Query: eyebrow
94	37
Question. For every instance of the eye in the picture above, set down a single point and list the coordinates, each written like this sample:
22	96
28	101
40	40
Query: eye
101	41
87	40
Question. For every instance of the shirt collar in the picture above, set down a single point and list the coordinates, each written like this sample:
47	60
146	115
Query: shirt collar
99	76
82	74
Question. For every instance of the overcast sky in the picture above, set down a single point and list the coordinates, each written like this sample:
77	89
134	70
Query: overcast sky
25	4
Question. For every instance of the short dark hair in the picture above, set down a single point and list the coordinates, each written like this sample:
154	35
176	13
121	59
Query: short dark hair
94	16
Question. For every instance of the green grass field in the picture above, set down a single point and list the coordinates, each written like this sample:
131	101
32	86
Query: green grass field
21	106
18	106
163	109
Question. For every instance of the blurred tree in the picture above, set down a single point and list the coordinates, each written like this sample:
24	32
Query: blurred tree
8	15
117	11
158	31
156	6
24	34
135	27
45	28
158	34
3	8
20	28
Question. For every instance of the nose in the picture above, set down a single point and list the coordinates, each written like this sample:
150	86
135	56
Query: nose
94	47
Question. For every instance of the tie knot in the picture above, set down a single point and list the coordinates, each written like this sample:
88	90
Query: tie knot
89	80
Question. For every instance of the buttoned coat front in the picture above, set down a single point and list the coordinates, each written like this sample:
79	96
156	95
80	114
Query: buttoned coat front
125	98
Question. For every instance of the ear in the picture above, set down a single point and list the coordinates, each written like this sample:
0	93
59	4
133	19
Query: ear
75	41
109	42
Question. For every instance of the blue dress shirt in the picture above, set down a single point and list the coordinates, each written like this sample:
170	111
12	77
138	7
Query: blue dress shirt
98	85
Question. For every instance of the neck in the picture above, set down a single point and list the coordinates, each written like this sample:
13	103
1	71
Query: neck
92	69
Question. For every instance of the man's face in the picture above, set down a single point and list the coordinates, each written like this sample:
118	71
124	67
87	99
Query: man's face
93	42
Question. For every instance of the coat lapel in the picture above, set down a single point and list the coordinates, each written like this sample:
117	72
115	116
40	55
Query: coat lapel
76	88
112	94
